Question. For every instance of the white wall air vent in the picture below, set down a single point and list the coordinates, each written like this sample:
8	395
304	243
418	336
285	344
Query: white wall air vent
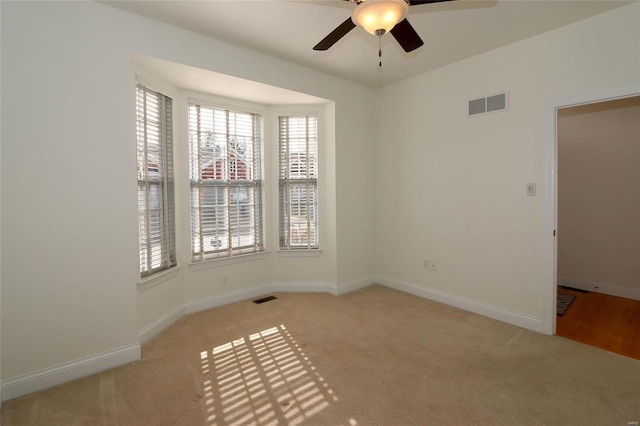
492	103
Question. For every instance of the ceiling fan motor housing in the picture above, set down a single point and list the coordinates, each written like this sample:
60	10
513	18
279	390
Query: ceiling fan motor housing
379	16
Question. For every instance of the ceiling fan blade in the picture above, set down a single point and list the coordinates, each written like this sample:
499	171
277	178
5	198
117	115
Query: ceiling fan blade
406	36
335	35
417	2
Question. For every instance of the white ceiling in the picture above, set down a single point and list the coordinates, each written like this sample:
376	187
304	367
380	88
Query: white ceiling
289	29
234	88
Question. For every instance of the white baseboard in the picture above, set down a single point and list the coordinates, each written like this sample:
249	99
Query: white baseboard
28	383
322	286
510	317
222	299
283	287
339	289
161	324
628	293
300	287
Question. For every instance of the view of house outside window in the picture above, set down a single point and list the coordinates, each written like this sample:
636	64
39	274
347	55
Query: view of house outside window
226	182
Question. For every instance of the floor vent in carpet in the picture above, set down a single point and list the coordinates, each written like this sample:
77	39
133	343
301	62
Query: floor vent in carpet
264	299
564	301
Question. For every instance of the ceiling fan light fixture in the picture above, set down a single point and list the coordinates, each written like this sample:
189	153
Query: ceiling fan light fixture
379	16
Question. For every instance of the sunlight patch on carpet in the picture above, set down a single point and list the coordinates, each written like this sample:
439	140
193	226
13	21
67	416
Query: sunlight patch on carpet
262	379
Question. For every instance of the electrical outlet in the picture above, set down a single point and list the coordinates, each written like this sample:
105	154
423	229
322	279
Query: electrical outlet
429	265
225	280
531	189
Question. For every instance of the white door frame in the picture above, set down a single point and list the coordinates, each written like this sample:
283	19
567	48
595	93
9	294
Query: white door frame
549	243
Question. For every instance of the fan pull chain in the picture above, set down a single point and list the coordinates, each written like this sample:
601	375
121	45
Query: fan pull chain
380	51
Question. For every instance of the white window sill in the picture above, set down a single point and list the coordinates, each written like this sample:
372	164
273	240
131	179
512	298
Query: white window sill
300	253
158	278
214	263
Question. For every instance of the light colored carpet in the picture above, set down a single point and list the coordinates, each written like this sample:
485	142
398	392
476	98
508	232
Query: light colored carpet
371	357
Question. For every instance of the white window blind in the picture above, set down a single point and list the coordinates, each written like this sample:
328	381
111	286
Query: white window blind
156	218
298	182
226	182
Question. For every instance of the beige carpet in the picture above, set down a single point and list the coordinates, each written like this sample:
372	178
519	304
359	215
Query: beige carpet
372	357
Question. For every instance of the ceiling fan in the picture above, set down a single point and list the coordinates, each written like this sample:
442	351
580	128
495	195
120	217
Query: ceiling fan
379	17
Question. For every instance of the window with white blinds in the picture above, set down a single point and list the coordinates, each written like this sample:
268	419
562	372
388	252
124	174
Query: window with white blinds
156	218
226	182
298	182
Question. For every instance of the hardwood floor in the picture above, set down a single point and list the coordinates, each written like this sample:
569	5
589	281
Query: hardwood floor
603	321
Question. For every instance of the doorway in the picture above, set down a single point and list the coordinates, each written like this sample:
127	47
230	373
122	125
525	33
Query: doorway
598	256
549	245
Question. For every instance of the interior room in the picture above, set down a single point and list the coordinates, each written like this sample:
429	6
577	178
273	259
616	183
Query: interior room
435	209
598	223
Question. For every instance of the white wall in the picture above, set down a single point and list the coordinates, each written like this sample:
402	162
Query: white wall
599	196
0	205
69	260
356	214
451	189
69	281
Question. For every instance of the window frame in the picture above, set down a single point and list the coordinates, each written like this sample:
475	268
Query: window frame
164	181
286	183
255	186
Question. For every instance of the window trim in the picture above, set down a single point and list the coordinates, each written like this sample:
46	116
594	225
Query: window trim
257	185
224	261
166	183
158	278
298	250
